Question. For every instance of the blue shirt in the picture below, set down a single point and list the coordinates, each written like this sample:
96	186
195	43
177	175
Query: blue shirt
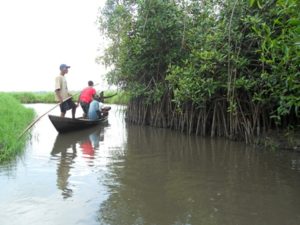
93	108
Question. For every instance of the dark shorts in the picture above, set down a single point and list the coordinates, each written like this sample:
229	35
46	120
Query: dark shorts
85	107
65	106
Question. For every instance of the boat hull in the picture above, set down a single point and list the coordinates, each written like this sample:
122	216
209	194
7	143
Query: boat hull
65	124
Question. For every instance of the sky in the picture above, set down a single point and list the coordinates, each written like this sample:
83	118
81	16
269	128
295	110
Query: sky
37	36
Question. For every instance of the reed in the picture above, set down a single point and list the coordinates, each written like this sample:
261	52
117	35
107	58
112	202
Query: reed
14	118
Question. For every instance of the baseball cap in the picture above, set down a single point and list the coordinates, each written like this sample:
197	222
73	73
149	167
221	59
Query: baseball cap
64	66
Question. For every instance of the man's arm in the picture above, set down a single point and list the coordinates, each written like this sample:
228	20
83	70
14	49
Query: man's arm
58	85
58	94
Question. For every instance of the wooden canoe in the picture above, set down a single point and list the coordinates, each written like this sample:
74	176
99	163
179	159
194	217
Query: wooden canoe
65	124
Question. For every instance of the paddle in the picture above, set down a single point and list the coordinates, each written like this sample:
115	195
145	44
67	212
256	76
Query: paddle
37	119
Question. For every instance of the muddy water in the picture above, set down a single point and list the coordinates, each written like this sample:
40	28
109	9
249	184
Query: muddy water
124	174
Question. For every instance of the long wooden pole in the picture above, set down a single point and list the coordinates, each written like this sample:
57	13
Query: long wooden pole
37	119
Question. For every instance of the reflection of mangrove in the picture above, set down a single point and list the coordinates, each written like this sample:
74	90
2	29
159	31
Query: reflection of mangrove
169	178
66	145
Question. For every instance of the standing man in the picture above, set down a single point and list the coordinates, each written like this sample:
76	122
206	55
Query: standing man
62	93
86	96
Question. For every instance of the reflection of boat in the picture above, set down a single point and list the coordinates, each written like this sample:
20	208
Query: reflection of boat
65	150
68	140
64	124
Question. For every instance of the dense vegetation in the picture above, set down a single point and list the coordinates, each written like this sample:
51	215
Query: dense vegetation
215	67
14	119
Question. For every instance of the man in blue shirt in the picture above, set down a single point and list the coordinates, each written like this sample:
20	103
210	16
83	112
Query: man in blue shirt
94	112
97	109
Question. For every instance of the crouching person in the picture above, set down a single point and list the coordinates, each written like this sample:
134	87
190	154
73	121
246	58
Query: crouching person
97	109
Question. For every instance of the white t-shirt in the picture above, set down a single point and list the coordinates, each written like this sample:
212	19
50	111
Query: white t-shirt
61	83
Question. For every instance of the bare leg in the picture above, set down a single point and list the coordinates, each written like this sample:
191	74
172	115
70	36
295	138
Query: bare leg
73	112
62	114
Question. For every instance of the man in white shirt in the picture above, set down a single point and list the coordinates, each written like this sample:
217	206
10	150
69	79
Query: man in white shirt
62	93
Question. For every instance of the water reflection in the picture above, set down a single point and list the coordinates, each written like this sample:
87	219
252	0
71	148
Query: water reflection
165	177
65	150
142	175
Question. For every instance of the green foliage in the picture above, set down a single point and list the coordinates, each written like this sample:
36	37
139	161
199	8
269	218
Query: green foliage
276	30
14	119
143	48
121	97
244	53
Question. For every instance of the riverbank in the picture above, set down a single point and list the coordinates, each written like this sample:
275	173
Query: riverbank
14	119
288	139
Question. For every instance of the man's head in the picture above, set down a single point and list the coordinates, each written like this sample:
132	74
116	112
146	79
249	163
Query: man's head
91	83
97	98
64	68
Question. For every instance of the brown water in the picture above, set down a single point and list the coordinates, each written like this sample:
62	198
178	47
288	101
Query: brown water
123	174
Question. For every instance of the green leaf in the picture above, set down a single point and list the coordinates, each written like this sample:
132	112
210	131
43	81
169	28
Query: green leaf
258	4
294	22
252	2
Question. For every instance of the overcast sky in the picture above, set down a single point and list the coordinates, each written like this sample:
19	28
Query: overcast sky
37	36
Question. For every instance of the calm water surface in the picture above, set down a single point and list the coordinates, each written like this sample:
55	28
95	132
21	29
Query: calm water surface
122	174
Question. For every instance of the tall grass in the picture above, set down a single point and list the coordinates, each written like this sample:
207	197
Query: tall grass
34	97
121	98
14	119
